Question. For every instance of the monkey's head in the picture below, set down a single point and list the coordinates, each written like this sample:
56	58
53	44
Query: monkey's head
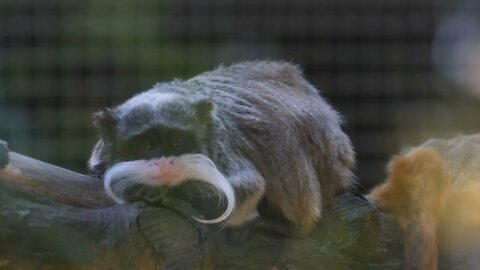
158	137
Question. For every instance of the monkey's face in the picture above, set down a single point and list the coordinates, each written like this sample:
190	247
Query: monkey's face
156	138
151	125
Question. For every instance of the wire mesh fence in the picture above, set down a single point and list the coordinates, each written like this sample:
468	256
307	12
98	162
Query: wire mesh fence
62	60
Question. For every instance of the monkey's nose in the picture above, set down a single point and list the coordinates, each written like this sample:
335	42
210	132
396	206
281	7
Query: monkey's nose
167	171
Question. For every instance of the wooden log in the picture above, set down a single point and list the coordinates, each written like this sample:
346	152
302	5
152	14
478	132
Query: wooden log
51	218
53	183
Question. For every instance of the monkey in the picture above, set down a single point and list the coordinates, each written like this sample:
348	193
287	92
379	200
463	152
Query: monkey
416	193
257	131
433	191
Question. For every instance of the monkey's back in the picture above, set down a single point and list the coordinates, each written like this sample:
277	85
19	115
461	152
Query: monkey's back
269	114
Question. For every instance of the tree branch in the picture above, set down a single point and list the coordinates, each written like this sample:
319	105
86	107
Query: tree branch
57	219
46	181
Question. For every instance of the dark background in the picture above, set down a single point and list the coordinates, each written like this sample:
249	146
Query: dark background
62	60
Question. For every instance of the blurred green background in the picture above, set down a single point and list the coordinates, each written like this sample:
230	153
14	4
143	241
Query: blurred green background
60	61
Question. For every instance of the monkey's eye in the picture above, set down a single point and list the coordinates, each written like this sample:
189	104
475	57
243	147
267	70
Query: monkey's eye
147	145
178	142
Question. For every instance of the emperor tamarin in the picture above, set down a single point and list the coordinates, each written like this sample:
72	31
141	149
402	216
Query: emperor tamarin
257	131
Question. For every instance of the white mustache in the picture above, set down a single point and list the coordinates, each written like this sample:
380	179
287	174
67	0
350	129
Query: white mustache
193	166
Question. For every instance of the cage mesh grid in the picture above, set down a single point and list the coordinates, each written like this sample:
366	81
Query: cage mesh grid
62	60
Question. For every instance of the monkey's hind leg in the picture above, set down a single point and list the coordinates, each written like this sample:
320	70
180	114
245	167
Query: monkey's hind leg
249	188
253	212
416	193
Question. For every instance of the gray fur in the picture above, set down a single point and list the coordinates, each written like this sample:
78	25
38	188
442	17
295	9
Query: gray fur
273	136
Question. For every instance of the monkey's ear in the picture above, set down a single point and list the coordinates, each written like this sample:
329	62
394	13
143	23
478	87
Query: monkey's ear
204	109
105	122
